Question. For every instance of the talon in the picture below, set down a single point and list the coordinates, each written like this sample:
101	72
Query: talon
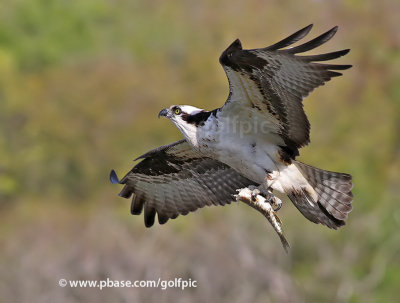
276	203
254	193
267	194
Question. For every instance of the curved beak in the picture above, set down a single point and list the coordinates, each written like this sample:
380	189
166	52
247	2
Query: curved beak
163	113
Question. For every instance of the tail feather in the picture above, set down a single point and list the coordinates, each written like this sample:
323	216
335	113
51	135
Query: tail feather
334	196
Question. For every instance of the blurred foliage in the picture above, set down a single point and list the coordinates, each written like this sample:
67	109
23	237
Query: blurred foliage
81	83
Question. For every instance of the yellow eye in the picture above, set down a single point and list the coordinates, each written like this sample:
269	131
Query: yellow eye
177	111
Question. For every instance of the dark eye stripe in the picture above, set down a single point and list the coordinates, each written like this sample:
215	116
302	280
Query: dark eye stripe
199	118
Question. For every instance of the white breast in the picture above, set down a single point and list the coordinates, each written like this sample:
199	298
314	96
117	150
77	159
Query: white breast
240	148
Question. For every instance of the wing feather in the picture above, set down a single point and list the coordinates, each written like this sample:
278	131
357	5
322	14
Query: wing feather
325	37
325	57
291	39
174	179
271	83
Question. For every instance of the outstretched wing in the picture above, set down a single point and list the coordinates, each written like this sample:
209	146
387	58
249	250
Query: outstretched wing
174	179
271	82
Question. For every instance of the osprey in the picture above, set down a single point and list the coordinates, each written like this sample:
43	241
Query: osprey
252	141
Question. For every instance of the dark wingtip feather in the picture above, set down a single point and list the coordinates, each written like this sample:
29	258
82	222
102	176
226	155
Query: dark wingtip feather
149	216
331	67
113	177
336	66
137	205
126	192
321	39
325	57
345	51
162	219
334	74
291	39
346	66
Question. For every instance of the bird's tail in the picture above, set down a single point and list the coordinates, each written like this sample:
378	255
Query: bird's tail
334	194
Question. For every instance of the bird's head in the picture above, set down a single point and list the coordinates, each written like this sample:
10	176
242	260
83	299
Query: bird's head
186	118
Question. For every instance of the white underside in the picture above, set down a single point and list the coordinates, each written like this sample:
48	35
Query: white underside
252	154
243	138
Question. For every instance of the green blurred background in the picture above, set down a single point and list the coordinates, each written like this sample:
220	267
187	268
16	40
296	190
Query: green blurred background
81	83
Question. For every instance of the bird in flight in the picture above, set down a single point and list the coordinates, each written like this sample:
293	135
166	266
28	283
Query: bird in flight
251	142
